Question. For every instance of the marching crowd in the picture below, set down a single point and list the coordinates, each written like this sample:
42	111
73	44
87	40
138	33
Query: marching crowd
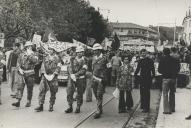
88	71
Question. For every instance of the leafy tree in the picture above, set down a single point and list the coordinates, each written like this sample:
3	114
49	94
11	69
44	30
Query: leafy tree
67	18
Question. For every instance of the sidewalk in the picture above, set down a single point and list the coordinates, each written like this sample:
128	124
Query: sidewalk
183	109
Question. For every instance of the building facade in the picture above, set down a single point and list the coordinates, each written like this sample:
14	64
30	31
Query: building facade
129	31
187	28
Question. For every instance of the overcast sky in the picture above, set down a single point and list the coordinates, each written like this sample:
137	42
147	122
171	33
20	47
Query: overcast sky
144	12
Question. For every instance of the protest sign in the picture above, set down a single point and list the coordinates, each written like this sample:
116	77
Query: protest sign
36	40
184	69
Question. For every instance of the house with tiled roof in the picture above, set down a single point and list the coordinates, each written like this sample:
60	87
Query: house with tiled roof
128	31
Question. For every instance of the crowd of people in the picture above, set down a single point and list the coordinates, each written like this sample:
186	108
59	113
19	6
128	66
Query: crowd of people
89	71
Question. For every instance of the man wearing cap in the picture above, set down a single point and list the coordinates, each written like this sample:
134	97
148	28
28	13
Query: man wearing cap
51	65
77	70
2	63
26	63
99	69
12	68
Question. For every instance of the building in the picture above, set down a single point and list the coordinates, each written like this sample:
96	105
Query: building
130	31
127	31
187	28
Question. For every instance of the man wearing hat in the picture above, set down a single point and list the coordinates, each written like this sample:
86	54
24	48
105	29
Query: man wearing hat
49	79
2	64
77	70
26	63
99	70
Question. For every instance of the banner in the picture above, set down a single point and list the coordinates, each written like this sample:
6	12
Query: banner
184	69
90	41
150	48
78	43
36	40
58	46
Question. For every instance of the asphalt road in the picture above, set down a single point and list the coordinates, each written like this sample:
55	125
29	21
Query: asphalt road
11	117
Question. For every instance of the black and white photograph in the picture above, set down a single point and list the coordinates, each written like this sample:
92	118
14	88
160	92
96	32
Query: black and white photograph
95	63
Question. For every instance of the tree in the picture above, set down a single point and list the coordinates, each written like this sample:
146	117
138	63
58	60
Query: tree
67	18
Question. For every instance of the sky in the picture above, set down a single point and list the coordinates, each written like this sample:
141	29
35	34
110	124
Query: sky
144	12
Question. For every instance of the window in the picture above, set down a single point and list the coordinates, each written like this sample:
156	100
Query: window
136	31
129	32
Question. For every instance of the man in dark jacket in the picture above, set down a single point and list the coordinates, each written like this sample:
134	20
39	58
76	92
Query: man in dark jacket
169	67
147	72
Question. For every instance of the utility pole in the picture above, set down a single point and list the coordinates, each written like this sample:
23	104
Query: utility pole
174	32
159	42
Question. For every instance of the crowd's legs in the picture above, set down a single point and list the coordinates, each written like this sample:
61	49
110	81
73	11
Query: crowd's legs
89	87
145	94
98	89
0	94
80	85
125	100
44	87
4	73
114	75
11	78
29	82
169	95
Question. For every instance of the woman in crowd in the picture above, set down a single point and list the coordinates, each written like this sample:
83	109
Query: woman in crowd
124	84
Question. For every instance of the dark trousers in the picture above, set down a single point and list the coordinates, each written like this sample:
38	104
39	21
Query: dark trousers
80	85
145	93
169	87
125	101
4	74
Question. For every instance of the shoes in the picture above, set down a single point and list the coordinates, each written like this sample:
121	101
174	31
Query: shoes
77	109
145	111
51	108
75	99
122	111
129	109
28	104
188	87
14	96
16	104
97	115
39	109
69	110
88	100
167	113
188	117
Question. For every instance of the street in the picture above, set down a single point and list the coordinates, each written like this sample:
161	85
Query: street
22	117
